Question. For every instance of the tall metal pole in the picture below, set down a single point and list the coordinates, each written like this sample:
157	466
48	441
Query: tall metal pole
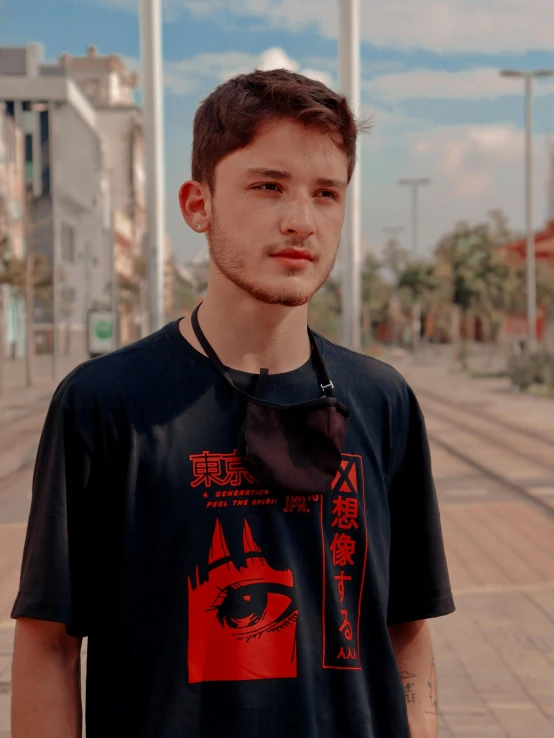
349	80
152	93
531	280
29	289
414	184
53	165
414	218
114	291
531	266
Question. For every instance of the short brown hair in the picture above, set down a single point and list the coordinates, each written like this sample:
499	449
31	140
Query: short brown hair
231	116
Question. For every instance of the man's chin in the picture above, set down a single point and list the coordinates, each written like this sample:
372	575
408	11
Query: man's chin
287	292
286	298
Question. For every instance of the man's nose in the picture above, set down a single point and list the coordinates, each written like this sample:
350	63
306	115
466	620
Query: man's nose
298	220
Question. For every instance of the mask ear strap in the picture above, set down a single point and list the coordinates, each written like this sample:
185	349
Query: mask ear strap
261	382
324	379
203	341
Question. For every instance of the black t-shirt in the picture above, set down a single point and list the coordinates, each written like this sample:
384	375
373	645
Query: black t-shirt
213	607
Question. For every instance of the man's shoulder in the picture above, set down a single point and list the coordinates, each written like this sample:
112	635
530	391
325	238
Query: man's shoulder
105	379
361	370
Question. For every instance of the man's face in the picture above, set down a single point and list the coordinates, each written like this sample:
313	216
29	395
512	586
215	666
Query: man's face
276	213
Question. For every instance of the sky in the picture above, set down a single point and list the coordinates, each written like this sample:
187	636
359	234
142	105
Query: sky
429	79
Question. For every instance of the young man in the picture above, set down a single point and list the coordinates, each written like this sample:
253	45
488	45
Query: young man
238	514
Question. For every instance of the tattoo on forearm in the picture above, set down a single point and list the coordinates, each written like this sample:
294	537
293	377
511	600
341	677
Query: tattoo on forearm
408	683
432	685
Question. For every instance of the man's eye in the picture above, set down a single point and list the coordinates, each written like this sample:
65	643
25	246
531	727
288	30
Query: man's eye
268	187
253	609
328	194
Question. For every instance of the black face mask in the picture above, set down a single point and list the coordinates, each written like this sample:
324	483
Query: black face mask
290	449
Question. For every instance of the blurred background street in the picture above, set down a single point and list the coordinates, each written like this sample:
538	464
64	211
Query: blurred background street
445	268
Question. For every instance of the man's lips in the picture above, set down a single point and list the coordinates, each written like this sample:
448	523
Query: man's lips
300	254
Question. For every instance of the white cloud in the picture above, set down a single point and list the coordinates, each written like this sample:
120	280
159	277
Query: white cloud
473	160
436	84
482	26
276	58
472	170
200	73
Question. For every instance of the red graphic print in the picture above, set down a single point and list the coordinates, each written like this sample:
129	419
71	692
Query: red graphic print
343	549
242	621
219	469
346	511
345	543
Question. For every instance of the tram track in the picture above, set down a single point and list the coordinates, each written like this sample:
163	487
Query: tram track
487	416
535	450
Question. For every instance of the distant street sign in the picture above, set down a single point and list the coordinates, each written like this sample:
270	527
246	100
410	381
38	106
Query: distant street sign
100	332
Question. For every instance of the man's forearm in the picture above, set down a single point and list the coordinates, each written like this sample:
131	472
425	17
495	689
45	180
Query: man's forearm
46	693
414	655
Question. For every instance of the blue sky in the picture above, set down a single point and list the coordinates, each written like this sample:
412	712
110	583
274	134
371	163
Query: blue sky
429	79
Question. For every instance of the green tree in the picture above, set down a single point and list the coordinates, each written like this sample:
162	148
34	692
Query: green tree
475	274
545	288
395	258
416	287
376	293
324	310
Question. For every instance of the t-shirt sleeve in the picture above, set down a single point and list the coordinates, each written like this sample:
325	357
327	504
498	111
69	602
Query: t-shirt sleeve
419	585
54	574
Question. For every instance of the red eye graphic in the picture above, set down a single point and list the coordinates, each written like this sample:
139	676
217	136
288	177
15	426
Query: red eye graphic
252	609
242	621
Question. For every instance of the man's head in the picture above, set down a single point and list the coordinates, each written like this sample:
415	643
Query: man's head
272	155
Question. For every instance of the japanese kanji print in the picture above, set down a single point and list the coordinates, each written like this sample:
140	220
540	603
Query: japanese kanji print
344	537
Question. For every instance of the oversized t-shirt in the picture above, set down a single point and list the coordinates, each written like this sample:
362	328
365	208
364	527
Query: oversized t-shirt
214	607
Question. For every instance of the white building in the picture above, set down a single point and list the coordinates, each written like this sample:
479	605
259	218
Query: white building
61	148
110	87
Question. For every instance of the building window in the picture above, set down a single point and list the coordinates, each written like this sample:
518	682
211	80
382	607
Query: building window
28	148
68	243
28	158
45	151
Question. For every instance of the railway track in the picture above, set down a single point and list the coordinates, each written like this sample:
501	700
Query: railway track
529	450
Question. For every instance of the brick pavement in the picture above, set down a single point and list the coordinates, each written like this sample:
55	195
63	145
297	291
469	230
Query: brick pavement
495	654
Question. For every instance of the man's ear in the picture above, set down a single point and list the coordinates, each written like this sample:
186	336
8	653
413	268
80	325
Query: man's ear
194	200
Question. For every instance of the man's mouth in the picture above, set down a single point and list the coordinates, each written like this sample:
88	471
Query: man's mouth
292	254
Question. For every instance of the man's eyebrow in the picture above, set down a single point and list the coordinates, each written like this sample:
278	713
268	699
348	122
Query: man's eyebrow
268	173
338	184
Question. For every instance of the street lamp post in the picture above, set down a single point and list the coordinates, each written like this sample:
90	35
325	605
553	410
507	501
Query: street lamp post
349	80
531	277
152	87
393	231
414	184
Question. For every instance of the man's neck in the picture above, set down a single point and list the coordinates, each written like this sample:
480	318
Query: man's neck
249	335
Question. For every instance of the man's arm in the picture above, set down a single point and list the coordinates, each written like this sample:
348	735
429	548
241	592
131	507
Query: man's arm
46	681
414	655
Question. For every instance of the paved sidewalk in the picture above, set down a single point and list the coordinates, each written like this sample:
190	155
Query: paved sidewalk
437	372
16	397
22	409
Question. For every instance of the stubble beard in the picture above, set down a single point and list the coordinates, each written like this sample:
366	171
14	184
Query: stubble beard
226	257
